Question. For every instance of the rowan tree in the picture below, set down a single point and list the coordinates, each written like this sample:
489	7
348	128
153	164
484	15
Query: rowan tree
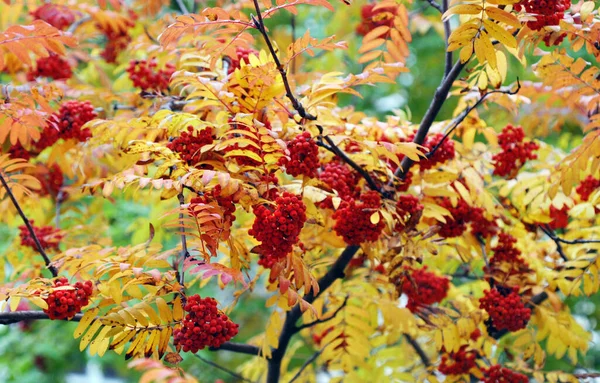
390	248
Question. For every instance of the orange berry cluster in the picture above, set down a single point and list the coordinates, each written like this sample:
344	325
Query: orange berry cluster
422	288
278	230
407	206
499	374
373	18
64	304
442	154
189	143
560	217
52	66
303	159
243	55
546	12
143	74
458	363
47	235
340	178
353	219
514	152
59	16
461	215
226	203
587	187
67	124
505	308
203	326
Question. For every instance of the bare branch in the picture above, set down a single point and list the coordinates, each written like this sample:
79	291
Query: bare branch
418	349
447	32
184	250
224	369
19	316
323	320
240	348
38	245
548	231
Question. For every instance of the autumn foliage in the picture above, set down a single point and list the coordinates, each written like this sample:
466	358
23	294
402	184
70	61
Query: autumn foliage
378	243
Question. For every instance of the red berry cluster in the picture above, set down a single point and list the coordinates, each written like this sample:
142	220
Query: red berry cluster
203	326
144	75
458	363
18	151
116	40
461	215
243	55
373	18
506	255
353	220
587	187
442	154
560	217
514	152
52	66
303	159
67	124
546	12
480	225
505	308
64	304
499	374
189	143
226	203
279	229
340	178
51	180
59	16
48	236
422	287
554	38
407	206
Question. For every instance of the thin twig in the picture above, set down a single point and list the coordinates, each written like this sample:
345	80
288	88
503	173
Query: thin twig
184	250
307	363
224	369
150	37
467	111
548	231
483	253
240	348
435	5
78	23
447	32
182	7
418	349
323	320
553	235
259	24
38	245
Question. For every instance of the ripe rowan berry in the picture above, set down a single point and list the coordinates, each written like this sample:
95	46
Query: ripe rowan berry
48	236
144	75
18	151
422	287
116	39
514	152
458	363
214	195
457	224
52	66
407	206
546	12
505	308
560	217
340	178
353	219
190	143
64	304
442	154
59	16
67	123
480	225
588	186
499	374
506	260
203	326
51	181
243	55
278	229
303	159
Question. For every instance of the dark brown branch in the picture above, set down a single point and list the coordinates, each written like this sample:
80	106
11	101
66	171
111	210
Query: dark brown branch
467	111
323	320
259	24
184	250
240	348
19	316
439	97
38	245
289	326
554	238
418	349
447	32
224	369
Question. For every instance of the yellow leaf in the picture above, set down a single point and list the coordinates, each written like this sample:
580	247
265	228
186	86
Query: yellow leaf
503	16
586	9
500	34
85	321
375	218
462	9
